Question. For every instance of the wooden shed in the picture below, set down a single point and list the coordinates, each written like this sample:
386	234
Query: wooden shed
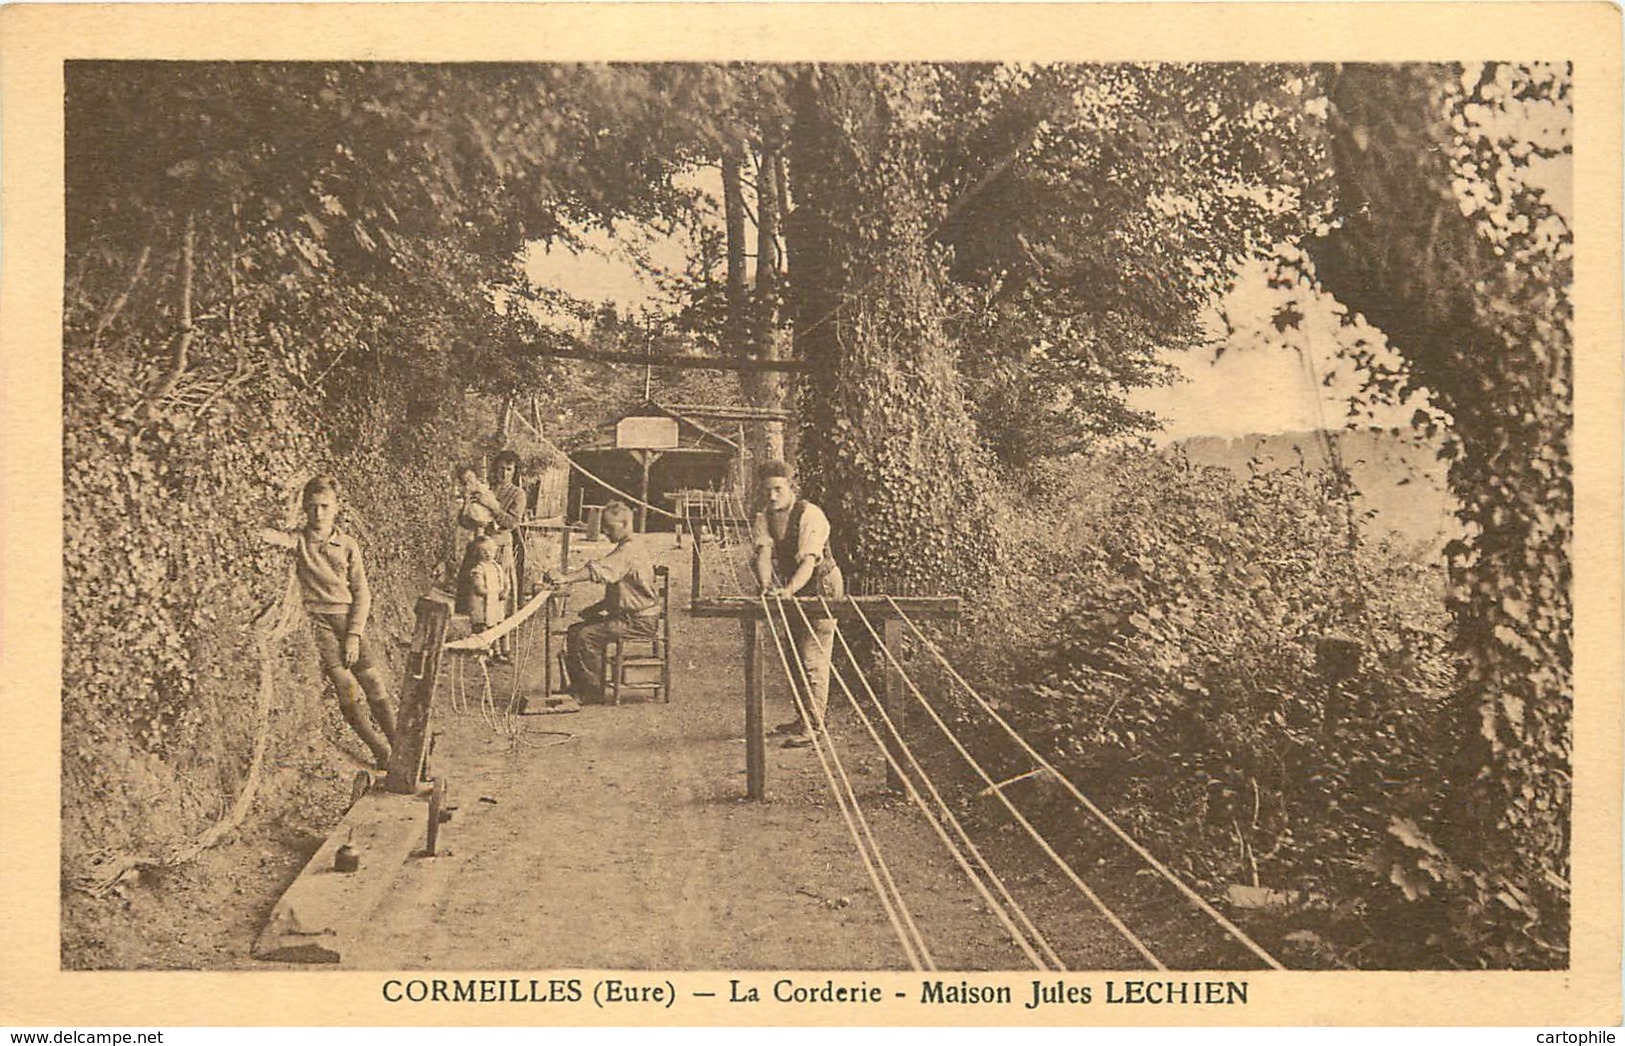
651	453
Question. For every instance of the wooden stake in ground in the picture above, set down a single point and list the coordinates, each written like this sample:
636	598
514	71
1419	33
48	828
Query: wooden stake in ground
749	611
755	728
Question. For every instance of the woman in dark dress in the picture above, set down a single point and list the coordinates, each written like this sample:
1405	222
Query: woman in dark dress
503	529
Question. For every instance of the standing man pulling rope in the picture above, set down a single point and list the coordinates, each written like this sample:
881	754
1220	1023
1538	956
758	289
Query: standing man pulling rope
791	538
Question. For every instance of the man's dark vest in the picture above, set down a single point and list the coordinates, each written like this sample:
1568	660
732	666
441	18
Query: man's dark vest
786	549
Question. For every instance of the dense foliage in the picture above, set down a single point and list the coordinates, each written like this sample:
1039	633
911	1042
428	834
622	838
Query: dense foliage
1451	246
1093	212
1211	659
1081	218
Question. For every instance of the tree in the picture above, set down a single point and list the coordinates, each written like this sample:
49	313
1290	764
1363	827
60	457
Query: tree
1092	213
888	445
767	319
1449	245
1073	222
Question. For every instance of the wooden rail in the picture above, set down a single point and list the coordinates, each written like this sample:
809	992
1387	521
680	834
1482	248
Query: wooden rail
735	363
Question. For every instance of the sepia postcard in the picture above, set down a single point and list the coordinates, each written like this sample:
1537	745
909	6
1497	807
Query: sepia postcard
811	514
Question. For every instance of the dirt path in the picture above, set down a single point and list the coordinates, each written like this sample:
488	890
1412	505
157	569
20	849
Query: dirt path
629	844
620	838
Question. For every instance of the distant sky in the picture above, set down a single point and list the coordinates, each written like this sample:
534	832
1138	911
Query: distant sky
1266	381
606	272
1255	390
602	273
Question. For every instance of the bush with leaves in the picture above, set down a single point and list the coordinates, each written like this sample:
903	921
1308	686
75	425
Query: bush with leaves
274	270
1217	665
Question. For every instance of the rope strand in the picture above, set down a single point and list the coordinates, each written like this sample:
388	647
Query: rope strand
863	821
996	907
1083	800
1049	952
840	801
1066	869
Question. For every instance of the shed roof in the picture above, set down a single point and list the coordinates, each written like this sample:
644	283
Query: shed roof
691	434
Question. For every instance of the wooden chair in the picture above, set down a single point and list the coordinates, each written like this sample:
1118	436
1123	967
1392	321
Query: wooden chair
619	662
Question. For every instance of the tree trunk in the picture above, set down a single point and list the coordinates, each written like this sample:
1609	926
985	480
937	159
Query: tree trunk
736	292
787	386
765	439
888	447
1490	342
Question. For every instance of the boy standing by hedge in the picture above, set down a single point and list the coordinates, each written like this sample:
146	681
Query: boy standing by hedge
334	585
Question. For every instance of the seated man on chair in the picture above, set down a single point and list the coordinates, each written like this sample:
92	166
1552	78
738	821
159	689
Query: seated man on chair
630	608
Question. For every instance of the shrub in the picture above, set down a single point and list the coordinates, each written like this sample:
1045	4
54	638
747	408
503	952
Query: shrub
1214	660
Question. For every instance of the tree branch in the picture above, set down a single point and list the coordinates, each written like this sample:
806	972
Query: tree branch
183	340
118	303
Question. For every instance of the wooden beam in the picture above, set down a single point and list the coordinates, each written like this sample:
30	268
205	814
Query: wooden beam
645	458
842	610
741	363
417	695
323	912
695	410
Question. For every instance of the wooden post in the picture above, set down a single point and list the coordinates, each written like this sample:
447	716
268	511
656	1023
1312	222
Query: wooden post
417	695
896	704
643	491
748	610
694	572
755	732
547	650
564	550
